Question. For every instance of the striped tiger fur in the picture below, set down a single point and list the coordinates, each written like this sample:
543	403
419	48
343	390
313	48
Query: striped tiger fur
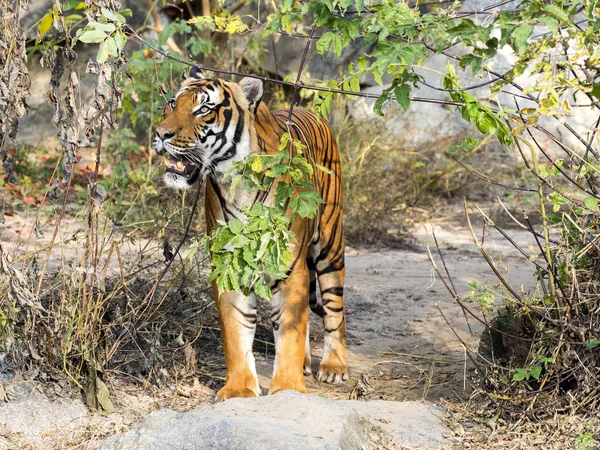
209	124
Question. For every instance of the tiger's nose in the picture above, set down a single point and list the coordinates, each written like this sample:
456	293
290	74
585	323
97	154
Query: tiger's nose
163	133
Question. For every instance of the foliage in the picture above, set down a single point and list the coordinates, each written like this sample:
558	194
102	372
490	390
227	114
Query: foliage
248	253
482	295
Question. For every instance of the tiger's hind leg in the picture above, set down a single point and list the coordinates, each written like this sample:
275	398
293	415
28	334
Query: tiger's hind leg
315	307
331	271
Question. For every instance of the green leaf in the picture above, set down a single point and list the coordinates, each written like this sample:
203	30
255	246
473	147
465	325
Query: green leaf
558	12
359	6
311	196
262	289
45	23
236	226
323	169
92	36
536	372
303	207
466	145
550	23
265	240
221	239
277	170
232	274
361	63
354	84
284	191
240	241
521	36
593	343
111	47
106	27
377	76
324	43
102	55
484	122
520	375
402	94
120	40
111	15
590	202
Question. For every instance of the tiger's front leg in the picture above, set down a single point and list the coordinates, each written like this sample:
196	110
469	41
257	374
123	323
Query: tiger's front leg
237	317
289	317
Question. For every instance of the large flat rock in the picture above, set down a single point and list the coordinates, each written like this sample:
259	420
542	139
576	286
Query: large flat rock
288	420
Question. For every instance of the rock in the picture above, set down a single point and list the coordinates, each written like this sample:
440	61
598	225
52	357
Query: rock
288	420
31	420
411	424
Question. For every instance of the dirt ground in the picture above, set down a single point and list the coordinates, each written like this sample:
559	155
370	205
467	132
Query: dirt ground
399	345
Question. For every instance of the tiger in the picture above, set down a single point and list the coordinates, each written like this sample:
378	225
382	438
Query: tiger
209	125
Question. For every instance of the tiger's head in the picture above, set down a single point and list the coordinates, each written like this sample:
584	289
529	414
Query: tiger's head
208	125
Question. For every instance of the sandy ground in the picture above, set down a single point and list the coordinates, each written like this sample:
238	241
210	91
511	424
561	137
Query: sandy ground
398	341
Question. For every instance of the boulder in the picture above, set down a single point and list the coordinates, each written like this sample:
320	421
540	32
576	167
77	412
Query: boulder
288	420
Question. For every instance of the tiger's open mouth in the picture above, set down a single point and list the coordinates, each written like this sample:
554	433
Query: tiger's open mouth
181	167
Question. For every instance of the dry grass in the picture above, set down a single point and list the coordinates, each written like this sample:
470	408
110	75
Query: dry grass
477	425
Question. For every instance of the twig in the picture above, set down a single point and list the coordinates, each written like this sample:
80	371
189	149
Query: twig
299	76
486	256
455	292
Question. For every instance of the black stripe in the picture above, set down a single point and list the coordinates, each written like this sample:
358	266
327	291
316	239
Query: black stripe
337	290
251	317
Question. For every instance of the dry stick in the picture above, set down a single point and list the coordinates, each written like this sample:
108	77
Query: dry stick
476	317
60	218
454	291
591	140
489	180
545	229
54	172
464	344
487	257
150	295
543	180
52	240
562	172
298	77
485	219
549	267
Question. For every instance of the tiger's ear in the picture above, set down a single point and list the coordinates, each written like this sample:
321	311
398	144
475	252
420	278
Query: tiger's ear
196	72
252	89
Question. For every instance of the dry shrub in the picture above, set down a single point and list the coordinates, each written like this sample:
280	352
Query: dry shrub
386	187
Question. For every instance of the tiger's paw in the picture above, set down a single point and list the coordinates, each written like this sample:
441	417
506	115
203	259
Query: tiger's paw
332	373
226	393
306	370
278	387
